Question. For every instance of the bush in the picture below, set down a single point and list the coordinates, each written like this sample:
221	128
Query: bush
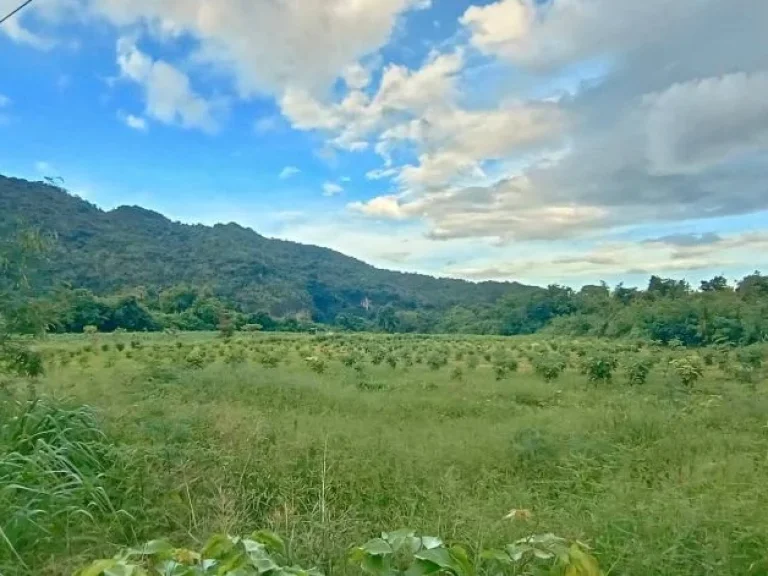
688	370
638	370
195	358
599	368
548	366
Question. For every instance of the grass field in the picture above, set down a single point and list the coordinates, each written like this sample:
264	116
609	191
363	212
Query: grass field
329	440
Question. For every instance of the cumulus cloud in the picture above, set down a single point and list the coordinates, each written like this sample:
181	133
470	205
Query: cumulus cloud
357	115
134	122
622	258
16	30
266	46
167	90
288	171
382	207
694	125
541	35
332	189
675	130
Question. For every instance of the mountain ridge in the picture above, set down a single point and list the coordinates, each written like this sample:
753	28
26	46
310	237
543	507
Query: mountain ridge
107	251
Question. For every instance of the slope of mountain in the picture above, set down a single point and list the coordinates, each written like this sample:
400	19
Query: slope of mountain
128	247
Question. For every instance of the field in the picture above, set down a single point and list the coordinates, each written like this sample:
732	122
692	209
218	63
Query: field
655	457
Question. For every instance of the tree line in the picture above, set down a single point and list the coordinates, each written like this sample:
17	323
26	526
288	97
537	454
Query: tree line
667	310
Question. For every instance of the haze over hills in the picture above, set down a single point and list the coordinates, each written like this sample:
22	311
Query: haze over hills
130	247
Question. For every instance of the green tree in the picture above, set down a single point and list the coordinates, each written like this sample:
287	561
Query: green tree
16	254
387	319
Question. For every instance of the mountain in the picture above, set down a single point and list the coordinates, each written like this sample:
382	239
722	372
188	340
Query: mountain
130	247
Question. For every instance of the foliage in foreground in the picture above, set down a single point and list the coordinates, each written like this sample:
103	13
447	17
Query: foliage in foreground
399	553
55	466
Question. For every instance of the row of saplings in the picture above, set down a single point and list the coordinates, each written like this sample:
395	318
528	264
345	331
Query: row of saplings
547	360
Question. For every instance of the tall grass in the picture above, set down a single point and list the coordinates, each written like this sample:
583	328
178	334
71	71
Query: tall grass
658	477
55	467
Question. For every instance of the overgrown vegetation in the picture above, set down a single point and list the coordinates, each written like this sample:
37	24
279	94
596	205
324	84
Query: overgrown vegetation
656	471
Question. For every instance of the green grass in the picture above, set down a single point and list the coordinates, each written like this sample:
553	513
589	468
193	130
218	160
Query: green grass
657	479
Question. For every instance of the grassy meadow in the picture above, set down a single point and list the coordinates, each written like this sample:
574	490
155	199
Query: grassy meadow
655	457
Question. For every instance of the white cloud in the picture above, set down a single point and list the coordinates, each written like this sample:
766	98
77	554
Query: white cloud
306	113
288	171
388	207
617	259
356	76
415	90
4	101
499	26
15	29
694	125
268	46
381	173
168	93
332	189
546	34
134	122
357	116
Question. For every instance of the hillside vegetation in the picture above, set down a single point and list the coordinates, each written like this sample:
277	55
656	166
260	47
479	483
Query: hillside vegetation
136	270
131	247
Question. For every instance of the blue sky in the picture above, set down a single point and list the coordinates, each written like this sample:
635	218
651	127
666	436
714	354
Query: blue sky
532	140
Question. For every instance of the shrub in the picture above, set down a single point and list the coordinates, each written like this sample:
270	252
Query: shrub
548	366
316	364
269	360
688	370
599	368
638	370
195	358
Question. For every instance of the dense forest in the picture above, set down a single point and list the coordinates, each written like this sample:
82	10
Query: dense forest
134	269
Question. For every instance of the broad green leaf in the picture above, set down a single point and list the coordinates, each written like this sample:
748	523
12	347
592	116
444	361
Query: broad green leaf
495	555
422	568
377	546
272	541
217	546
440	556
461	560
378	565
401	534
581	563
400	539
430	542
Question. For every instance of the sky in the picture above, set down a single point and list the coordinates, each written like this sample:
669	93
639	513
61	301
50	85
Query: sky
542	141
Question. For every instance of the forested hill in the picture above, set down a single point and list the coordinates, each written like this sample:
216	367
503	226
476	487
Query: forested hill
131	247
